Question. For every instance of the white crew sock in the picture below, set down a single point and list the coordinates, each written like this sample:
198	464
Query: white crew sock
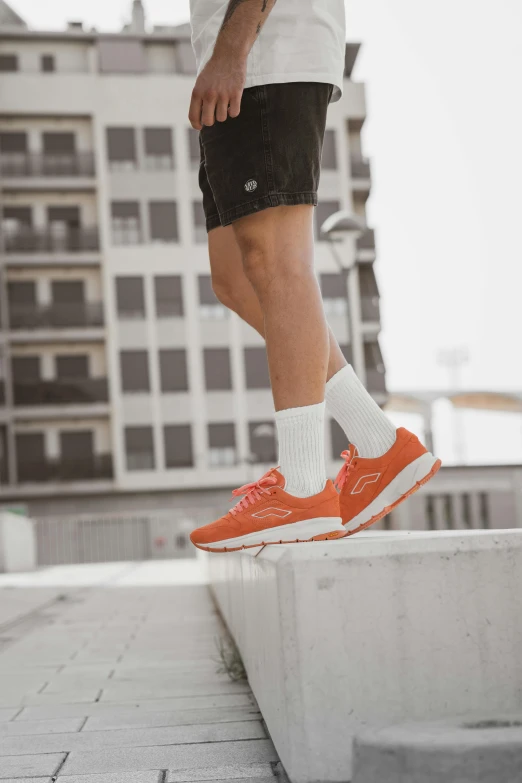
301	449
364	423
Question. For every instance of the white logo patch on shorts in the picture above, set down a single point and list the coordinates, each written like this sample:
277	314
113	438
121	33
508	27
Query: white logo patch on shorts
250	185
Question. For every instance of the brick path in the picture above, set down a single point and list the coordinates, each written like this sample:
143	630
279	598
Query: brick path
117	683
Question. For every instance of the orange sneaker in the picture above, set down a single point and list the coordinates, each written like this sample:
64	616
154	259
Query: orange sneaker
269	515
371	488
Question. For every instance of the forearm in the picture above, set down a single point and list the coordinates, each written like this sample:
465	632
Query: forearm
244	20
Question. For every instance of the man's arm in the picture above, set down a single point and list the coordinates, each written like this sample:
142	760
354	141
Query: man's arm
219	87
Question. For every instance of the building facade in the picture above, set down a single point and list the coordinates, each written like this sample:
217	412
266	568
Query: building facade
121	372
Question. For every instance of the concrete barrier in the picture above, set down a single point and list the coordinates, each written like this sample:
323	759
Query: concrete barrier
374	630
17	543
482	749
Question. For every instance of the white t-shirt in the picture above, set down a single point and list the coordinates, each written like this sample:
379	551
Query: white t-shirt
301	41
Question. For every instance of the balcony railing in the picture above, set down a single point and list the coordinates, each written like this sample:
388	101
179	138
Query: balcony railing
360	167
56	316
367	240
73	391
48	240
35	164
88	468
370	310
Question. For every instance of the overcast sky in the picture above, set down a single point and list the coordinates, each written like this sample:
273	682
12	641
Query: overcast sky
444	133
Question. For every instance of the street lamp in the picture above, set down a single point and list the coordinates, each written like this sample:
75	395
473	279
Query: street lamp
335	230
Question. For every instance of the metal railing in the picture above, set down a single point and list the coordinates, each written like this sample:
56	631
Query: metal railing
96	467
56	316
73	391
48	240
42	164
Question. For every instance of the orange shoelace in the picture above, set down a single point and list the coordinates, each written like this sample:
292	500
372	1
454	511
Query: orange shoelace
349	465
252	492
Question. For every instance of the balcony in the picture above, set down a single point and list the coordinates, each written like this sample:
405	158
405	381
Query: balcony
56	316
73	391
360	167
90	468
27	165
375	381
30	240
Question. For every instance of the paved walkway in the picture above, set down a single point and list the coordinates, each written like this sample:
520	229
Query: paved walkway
108	674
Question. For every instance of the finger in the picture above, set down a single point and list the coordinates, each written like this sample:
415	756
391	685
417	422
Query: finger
235	104
195	111
222	109
209	108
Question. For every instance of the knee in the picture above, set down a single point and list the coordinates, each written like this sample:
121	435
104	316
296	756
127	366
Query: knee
224	290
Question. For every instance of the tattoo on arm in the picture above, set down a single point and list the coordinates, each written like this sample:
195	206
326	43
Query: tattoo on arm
234	5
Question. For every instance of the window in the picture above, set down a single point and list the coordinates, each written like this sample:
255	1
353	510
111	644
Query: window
126	223
13	142
139	448
370	310
30	456
322	211
159	153
262	442
256	368
209	306
121	56
169	296
178	446
218	374
121	148
23	311
338	439
173	370
130	297
77	447
185	60
333	288
329	158
47	63
8	62
72	366
134	368
163	217
222	445
200	226
68	292
25	369
59	143
194	149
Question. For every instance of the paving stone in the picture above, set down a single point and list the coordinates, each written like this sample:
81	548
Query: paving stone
144	690
172	758
118	738
178	718
55	726
125	777
131	707
240	772
31	765
24	780
75	696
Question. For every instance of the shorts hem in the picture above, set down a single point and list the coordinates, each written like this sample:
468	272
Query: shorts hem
272	200
213	221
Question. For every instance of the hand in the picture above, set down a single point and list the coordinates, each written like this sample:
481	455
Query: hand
218	90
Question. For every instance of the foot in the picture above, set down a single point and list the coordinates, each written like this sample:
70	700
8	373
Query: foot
269	515
371	488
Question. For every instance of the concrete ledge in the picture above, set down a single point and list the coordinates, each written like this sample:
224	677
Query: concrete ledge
374	630
17	543
479	749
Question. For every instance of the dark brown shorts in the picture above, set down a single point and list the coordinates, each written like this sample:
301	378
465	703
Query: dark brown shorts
267	156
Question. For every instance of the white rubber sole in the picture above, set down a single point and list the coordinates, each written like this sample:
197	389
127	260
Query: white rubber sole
306	530
403	485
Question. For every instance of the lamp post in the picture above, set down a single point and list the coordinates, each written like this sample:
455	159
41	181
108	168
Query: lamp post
335	230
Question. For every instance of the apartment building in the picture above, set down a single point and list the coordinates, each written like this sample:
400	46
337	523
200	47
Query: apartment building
121	372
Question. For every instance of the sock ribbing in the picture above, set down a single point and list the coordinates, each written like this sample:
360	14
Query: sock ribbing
364	423
301	449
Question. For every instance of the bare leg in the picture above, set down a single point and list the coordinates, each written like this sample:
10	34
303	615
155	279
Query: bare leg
234	290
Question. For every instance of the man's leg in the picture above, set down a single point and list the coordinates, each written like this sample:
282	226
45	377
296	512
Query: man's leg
348	401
